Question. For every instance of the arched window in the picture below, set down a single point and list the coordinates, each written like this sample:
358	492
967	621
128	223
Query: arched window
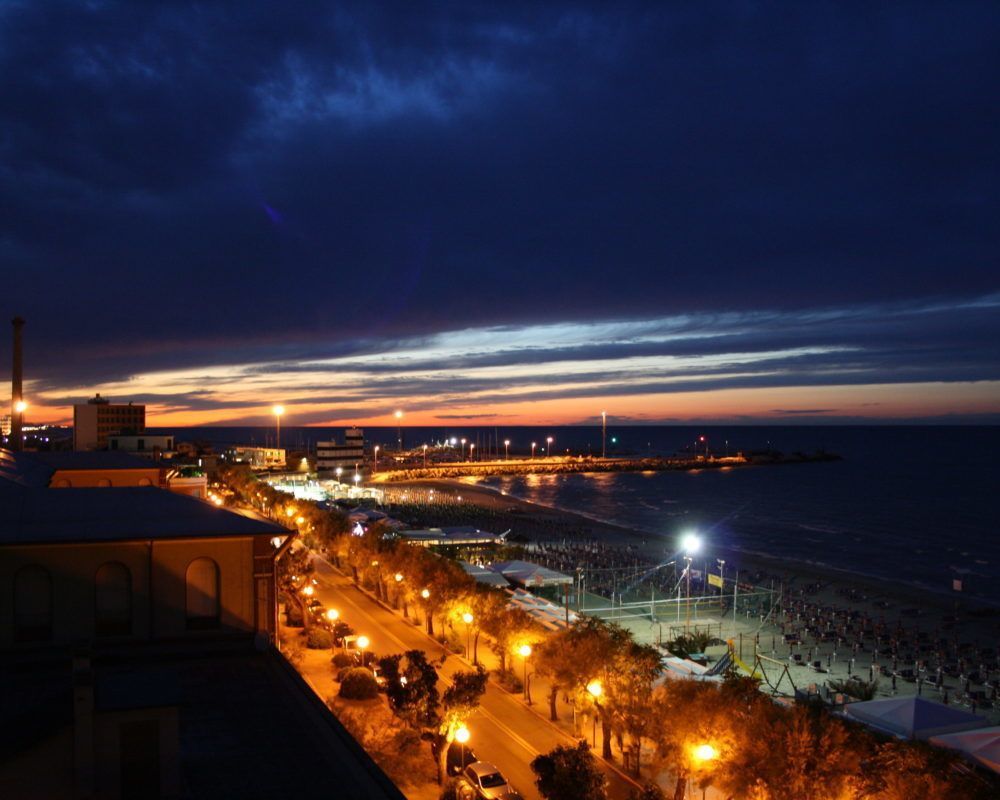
202	594
103	483
113	600
32	604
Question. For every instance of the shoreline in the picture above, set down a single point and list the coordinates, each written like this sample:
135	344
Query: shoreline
794	574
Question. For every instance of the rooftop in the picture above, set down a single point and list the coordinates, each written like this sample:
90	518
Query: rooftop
47	516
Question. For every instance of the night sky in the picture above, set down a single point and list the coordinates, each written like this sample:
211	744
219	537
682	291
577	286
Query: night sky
521	213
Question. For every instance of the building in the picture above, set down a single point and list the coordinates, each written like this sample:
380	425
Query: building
72	470
147	445
330	455
135	656
257	457
96	419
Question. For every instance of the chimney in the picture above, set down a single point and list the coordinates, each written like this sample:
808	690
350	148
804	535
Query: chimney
17	372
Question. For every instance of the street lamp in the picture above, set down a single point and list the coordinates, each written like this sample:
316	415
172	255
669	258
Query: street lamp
362	644
604	434
425	456
357	479
595	690
506	449
332	614
525	652
548	449
339	471
533	446
462	736
399	428
278	410
702	755
690	544
471	448
467	619
375	468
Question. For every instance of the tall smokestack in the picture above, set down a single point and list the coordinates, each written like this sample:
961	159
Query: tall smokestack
16	398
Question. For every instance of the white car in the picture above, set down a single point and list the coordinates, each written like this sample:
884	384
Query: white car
486	781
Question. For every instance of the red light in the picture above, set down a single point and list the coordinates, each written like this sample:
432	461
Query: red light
701	438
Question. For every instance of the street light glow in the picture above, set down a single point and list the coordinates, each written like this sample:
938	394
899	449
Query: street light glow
20	406
705	752
278	410
462	735
524	650
691	543
595	689
308	591
467	618
399	577
363	642
333	615
425	593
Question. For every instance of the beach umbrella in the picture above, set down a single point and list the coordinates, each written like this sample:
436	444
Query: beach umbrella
981	745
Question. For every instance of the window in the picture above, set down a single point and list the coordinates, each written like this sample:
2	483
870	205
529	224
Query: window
113	600
32	604
202	594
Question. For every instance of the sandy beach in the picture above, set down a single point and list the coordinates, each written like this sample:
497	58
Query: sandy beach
832	625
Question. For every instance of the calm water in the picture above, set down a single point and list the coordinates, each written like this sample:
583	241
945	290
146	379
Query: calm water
910	504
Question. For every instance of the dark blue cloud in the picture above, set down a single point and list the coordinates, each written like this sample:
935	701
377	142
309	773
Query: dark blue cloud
225	183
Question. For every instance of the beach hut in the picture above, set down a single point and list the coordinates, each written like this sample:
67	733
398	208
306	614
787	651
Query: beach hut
913	717
981	745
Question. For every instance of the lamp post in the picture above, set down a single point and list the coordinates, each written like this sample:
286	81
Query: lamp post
702	755
399	429
332	614
506	449
533	446
525	652
463	449
462	736
467	619
398	577
375	467
595	690
425	456
278	410
472	448
604	434
690	544
548	448
339	471
363	643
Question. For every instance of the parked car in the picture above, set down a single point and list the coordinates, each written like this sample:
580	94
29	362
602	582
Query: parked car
485	781
459	757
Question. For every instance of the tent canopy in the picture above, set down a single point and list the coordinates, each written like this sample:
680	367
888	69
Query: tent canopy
913	717
981	745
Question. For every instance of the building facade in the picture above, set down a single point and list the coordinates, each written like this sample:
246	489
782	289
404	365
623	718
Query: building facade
98	418
330	455
257	457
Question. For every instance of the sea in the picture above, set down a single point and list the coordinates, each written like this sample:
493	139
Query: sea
913	505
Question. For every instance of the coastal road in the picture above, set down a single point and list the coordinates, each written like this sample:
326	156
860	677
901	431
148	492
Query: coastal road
504	731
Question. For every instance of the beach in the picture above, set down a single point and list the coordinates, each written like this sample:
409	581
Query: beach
832	624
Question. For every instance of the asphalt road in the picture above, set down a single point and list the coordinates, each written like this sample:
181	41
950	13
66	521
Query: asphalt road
504	731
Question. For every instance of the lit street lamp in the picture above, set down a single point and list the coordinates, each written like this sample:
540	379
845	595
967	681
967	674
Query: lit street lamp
467	619
399	429
604	434
525	652
548	442
506	449
363	643
690	544
533	446
278	410
333	615
462	736
339	471
472	447
375	468
595	690
463	449
425	456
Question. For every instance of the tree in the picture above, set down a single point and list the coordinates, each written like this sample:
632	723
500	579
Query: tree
573	658
569	773
915	771
411	687
505	626
294	568
630	692
459	701
648	792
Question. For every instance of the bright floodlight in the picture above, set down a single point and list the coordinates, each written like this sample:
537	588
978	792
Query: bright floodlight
691	543
278	410
399	415
462	735
20	406
333	615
